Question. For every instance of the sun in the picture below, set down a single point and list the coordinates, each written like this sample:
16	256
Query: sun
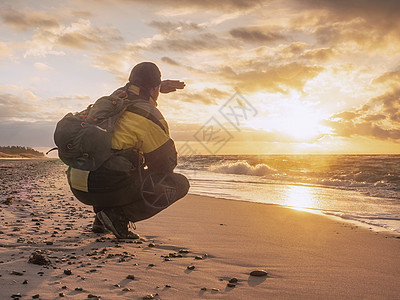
300	122
293	118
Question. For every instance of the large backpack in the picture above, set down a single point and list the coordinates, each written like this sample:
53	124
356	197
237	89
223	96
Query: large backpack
84	138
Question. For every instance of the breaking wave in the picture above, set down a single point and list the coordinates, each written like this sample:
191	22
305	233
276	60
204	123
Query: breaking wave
243	168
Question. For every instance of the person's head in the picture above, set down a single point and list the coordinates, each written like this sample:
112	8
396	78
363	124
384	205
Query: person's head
147	77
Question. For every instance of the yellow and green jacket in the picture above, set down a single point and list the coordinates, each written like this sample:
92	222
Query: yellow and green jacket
141	127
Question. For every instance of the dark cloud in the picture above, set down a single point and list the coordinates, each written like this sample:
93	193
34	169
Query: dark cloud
208	96
25	20
31	134
279	78
170	61
379	118
201	42
167	26
320	54
366	22
225	5
82	14
14	106
383	13
255	35
85	35
390	78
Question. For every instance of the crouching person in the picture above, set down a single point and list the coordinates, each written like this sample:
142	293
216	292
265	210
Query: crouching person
139	181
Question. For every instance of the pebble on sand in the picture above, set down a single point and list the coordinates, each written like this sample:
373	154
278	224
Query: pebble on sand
16	273
67	272
39	258
132	277
258	273
190	267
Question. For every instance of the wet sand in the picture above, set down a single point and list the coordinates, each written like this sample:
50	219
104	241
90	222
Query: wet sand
189	251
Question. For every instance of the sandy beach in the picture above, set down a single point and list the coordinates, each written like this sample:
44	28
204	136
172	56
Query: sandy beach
189	251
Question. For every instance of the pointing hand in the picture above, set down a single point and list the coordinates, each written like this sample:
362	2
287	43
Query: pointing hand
168	86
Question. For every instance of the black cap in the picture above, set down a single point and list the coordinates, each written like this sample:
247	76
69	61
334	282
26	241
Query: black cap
145	74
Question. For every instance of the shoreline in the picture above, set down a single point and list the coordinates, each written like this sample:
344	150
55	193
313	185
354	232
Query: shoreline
374	228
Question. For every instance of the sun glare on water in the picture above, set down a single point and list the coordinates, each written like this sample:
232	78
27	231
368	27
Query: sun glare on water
300	198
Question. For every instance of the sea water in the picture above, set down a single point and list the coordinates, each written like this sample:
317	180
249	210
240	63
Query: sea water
362	188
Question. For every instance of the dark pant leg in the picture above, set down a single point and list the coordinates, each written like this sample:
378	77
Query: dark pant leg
102	200
149	205
136	204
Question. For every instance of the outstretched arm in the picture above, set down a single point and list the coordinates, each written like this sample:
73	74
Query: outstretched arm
168	86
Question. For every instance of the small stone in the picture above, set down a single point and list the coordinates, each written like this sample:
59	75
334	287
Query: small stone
204	289
18	295
64	287
258	273
79	289
36	296
126	289
152	245
167	259
233	280
198	257
67	272
147	297
190	267
8	201
117	285
61	294
151	265
91	296
167	286
215	290
25	282
16	273
39	258
132	277
231	284
184	251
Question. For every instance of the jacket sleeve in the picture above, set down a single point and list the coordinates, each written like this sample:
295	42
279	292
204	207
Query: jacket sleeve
163	159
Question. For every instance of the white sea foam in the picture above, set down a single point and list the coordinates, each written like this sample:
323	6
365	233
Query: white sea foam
243	168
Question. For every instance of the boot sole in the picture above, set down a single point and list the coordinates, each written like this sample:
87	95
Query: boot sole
107	223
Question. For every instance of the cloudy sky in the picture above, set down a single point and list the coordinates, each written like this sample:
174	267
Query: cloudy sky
289	76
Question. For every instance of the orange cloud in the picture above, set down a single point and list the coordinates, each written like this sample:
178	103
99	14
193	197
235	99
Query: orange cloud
24	20
275	78
378	118
257	35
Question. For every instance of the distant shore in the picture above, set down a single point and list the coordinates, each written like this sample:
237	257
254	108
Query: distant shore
21	155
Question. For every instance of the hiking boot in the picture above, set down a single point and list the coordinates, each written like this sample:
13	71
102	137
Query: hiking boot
115	220
97	226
